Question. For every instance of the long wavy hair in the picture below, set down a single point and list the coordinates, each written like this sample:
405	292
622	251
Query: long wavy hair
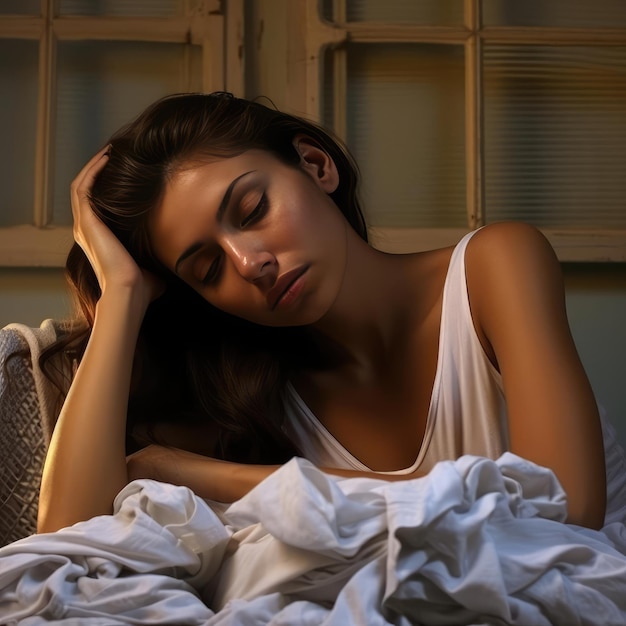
193	363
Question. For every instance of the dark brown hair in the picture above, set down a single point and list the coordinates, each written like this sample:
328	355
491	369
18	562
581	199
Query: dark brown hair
194	363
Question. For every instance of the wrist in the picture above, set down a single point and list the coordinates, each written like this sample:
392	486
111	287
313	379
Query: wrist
214	479
122	300
246	477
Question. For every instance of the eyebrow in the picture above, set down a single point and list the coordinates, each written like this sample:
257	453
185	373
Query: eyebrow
193	248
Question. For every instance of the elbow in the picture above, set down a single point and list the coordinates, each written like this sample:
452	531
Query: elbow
594	521
44	527
52	516
43	518
47	521
588	512
45	524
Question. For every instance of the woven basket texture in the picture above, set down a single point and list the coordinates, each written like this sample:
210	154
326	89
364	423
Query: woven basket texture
22	444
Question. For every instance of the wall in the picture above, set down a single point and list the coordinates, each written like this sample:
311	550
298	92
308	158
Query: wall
596	304
30	295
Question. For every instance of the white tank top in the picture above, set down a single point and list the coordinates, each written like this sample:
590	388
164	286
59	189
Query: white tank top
467	413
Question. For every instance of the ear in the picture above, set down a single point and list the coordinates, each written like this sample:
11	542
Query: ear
317	163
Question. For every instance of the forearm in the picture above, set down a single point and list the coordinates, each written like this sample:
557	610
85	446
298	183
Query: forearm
218	480
86	466
209	478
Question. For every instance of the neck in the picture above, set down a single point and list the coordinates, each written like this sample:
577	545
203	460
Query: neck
373	308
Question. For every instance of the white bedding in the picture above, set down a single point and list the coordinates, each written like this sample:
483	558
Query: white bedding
474	542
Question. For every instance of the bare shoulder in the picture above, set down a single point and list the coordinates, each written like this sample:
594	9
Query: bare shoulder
511	251
514	279
511	246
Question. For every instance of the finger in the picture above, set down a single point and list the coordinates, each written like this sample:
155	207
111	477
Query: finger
95	159
84	179
81	187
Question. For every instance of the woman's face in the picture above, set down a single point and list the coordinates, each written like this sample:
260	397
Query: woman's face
255	237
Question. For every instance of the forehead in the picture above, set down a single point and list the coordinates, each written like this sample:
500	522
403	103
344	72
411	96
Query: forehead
191	197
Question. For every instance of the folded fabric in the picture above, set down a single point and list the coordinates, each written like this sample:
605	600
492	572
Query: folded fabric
141	565
475	542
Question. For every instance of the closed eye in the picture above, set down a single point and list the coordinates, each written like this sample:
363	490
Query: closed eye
213	272
256	213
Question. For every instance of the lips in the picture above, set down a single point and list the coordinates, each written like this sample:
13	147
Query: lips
282	285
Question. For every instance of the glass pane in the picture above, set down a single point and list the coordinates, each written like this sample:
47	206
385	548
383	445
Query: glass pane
405	126
143	8
103	85
18	125
565	13
431	12
555	135
20	7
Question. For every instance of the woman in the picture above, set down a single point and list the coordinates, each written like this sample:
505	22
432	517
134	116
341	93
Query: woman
229	289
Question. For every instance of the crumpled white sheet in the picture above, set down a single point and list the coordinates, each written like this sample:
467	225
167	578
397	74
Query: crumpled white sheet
475	542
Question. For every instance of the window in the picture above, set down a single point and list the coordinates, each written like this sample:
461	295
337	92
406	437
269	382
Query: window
71	73
465	112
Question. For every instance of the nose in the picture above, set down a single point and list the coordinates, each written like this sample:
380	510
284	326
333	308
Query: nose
251	258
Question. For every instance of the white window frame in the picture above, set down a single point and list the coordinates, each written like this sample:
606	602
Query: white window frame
216	26
310	36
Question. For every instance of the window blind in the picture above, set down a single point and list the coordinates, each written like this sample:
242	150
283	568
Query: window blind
405	126
555	13
427	12
125	8
555	135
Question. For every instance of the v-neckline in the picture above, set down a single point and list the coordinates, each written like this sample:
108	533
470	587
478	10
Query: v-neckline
430	416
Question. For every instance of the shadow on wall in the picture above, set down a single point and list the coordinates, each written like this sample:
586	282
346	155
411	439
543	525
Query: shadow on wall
29	295
596	305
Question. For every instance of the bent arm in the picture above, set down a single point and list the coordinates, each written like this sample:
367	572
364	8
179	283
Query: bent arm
214	479
85	466
518	304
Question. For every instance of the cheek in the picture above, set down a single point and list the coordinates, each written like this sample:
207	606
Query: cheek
314	223
233	295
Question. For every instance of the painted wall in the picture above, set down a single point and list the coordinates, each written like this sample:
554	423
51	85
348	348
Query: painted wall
596	304
30	295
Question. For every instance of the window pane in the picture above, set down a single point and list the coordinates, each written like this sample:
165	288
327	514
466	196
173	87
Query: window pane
555	135
101	86
405	126
143	8
431	12
566	13
18	125
20	7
